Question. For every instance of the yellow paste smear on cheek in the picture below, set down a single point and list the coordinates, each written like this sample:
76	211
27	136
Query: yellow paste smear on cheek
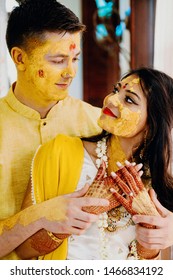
125	125
52	210
33	68
128	122
120	127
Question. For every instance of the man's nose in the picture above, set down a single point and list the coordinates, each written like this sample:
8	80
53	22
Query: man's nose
69	72
66	75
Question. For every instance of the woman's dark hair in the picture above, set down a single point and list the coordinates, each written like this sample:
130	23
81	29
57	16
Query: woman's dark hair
158	89
32	18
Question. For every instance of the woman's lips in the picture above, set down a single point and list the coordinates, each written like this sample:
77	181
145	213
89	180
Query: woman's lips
108	112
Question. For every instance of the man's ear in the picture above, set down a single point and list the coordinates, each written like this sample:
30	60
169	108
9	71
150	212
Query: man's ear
19	56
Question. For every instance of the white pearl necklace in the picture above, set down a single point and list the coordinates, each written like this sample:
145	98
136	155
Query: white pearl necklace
102	223
101	151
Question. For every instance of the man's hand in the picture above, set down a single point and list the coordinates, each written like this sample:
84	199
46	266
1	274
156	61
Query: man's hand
76	220
161	236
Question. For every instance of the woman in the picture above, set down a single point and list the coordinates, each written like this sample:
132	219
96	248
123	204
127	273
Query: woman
138	118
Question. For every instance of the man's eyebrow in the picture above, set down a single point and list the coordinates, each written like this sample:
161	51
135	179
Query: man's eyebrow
61	55
78	53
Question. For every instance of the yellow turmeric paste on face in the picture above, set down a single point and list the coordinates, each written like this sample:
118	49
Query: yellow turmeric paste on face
124	125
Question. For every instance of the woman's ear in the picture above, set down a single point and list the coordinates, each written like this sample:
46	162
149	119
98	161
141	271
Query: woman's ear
18	55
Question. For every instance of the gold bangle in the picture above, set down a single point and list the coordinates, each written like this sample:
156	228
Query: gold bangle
54	238
157	257
147	254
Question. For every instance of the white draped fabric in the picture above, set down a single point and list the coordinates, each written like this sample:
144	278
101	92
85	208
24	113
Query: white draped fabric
163	48
4	86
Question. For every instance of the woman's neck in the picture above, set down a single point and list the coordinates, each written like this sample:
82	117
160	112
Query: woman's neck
115	152
120	149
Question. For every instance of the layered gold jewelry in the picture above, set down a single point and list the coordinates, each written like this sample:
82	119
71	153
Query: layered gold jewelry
149	254
114	216
138	252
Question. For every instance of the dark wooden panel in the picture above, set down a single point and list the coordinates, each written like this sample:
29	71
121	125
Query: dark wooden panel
142	32
100	69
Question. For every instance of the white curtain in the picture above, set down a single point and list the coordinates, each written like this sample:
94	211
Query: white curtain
4	85
163	49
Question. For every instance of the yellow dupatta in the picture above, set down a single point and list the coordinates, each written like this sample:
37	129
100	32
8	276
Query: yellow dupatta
56	171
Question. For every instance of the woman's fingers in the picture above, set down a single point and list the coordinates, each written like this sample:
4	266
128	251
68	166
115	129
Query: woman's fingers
130	176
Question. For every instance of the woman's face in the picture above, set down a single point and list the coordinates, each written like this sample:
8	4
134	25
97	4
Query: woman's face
124	111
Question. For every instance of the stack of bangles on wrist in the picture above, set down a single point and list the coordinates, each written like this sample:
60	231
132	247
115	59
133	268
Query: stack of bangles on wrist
55	238
148	254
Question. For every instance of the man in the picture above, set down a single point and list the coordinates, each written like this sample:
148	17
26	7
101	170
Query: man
43	38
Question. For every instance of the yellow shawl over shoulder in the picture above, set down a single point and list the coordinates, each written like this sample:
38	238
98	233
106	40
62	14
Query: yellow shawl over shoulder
56	171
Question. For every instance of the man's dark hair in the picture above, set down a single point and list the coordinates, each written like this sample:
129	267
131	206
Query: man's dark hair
32	18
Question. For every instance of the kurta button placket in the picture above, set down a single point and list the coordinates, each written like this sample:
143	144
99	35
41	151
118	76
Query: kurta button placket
44	131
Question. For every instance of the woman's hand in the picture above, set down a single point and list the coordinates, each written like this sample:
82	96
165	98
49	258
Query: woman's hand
159	237
135	197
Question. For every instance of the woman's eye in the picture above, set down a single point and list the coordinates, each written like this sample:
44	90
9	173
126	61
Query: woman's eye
115	89
130	100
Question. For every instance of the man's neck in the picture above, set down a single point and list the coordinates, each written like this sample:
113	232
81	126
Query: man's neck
38	105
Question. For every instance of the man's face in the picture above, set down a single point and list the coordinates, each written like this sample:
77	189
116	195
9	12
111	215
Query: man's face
51	67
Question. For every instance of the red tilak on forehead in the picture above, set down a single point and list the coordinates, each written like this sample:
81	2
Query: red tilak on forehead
72	47
125	85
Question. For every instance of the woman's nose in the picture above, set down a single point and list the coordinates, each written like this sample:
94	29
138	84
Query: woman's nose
115	100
